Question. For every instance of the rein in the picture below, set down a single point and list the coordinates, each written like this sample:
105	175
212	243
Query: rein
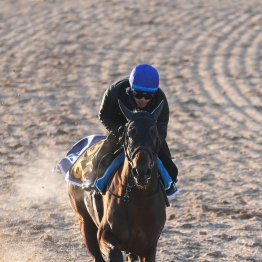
125	197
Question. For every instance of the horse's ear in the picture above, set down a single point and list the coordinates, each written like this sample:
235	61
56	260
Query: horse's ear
158	110
126	112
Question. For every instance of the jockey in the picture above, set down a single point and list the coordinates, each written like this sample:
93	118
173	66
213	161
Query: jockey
138	92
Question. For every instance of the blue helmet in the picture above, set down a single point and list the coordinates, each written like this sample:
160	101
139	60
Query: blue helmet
144	78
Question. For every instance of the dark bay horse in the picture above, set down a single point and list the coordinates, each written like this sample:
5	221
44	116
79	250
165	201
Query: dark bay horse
131	215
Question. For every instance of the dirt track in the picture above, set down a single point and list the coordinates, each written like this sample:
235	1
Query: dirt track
58	57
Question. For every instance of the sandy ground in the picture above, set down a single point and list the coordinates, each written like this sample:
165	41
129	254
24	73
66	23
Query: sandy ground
57	59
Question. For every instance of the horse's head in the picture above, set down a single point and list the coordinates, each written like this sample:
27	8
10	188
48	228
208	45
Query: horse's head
141	141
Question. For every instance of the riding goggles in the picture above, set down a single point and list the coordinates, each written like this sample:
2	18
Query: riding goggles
140	95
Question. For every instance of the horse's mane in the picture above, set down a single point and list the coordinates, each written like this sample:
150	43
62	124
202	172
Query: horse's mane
142	114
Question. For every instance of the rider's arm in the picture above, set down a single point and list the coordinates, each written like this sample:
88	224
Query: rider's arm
109	111
163	118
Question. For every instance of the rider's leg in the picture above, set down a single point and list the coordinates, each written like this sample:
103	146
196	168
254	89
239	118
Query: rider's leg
165	157
107	148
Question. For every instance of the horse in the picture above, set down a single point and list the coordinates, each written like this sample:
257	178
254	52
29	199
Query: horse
131	215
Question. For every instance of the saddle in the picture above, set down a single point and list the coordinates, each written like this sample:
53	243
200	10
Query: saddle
83	165
77	164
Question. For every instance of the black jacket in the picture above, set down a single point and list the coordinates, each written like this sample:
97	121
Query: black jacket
111	116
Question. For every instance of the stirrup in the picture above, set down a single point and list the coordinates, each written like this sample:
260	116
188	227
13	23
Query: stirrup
88	185
89	182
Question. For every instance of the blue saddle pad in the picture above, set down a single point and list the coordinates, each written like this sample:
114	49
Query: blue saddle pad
66	163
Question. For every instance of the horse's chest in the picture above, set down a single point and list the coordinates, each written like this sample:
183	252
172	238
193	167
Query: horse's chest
132	237
135	227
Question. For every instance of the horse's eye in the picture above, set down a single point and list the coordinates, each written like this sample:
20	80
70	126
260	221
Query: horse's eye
132	131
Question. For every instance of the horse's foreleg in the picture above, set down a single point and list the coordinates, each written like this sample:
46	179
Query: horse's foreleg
87	226
150	256
109	244
89	232
131	258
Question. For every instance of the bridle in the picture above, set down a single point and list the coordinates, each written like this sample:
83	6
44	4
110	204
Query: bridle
129	154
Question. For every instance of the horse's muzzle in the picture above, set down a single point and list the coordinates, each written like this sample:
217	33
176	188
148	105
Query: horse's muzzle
141	177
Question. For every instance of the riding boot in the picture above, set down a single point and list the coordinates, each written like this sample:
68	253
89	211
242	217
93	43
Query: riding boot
172	191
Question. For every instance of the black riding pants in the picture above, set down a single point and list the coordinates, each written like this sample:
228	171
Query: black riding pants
107	149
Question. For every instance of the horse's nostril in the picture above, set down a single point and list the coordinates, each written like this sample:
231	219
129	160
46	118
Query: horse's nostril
142	178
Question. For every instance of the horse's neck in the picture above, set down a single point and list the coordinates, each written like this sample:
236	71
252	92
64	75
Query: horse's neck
124	172
120	179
